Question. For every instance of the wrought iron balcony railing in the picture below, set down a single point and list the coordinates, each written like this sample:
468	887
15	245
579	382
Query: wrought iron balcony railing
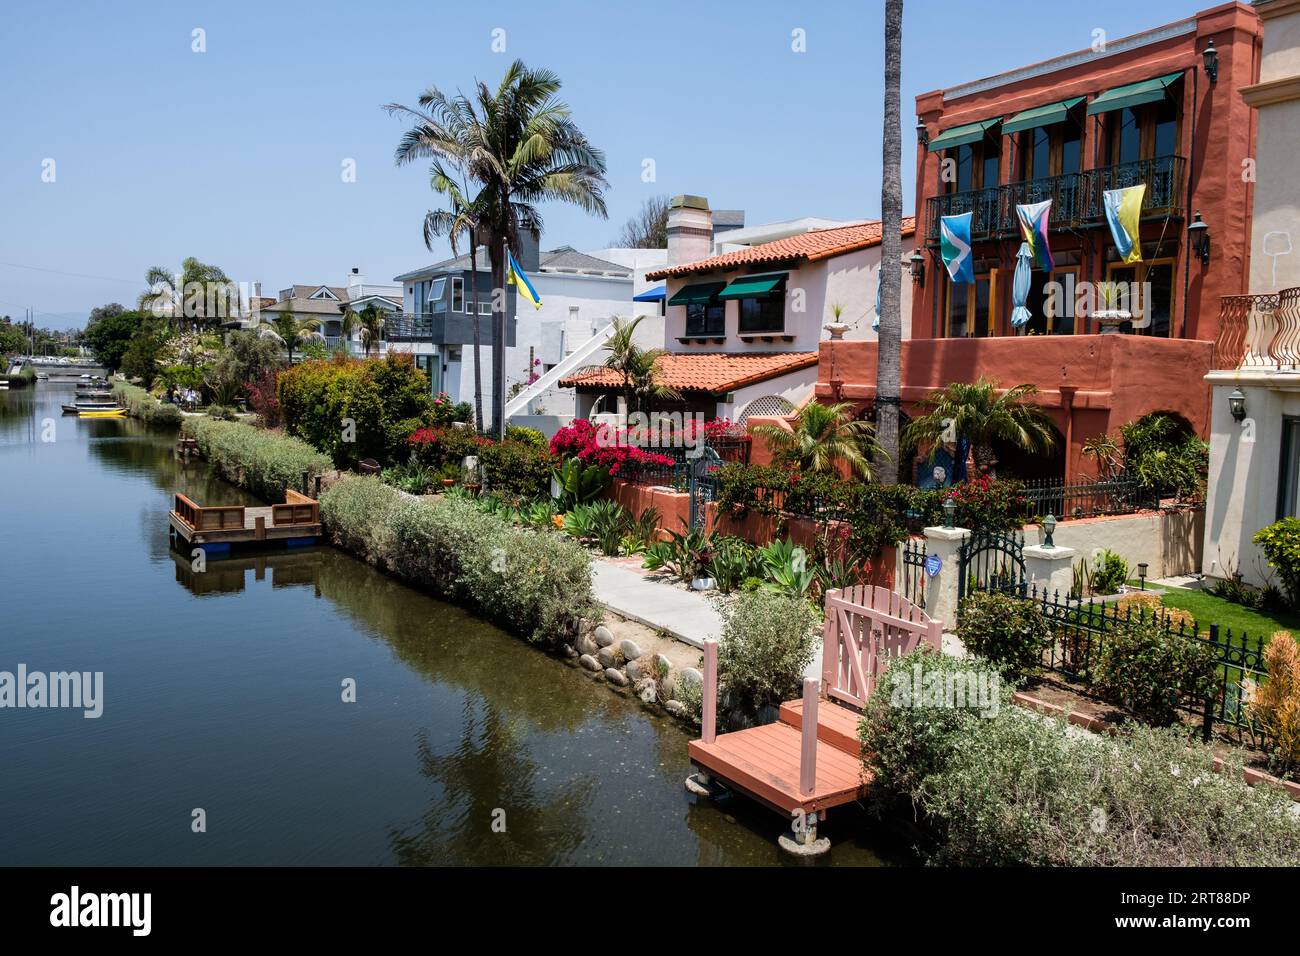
1076	198
1259	331
408	327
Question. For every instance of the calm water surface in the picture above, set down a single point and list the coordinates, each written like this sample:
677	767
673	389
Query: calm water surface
222	691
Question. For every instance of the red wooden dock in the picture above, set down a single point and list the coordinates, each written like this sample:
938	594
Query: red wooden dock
799	766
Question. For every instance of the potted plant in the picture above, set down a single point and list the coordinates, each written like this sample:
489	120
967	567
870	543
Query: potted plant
1109	317
701	559
836	327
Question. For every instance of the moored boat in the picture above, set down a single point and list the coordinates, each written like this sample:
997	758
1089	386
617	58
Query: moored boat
101	413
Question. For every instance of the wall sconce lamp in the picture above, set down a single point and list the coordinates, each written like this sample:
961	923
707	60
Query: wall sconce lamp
949	510
1237	404
1049	527
922	134
1142	575
1199	234
1211	57
917	262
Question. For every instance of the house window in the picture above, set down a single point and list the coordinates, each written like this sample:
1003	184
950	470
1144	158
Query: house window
706	319
764	314
436	287
457	294
1050	151
1143	132
972	309
485	308
1152	300
1288	482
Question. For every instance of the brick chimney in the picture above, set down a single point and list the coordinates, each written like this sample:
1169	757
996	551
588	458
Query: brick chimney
690	229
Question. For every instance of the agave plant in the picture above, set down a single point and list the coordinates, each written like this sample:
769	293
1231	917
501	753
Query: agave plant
579	483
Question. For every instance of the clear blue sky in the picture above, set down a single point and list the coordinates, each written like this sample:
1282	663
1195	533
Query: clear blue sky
234	155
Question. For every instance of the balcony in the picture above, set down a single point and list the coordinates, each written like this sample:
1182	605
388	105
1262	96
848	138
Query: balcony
406	327
442	328
1076	198
1259	331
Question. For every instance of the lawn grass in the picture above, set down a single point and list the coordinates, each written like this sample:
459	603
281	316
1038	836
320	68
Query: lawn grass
1208	609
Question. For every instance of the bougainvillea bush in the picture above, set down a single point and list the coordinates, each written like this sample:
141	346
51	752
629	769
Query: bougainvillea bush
614	449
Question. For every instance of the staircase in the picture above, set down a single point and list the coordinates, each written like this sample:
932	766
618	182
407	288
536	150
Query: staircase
578	358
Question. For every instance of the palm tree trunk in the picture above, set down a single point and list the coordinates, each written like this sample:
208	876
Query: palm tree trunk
496	255
478	335
890	347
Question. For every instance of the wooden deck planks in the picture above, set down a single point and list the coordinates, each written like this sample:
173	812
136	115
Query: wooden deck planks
836	725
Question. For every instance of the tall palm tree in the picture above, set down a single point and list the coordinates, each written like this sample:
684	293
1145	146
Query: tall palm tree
636	366
348	325
824	438
290	330
980	415
889	356
200	294
521	145
372	327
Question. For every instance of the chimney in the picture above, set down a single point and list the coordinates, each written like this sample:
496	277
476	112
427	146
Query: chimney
690	230
355	283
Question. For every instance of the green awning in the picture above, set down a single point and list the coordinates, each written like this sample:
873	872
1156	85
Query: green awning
753	287
961	135
698	294
1133	94
1041	116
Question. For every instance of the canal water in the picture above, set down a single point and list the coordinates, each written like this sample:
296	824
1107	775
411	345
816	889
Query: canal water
223	693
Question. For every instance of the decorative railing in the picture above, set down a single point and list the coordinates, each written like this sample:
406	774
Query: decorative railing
1076	198
1085	499
1259	331
408	327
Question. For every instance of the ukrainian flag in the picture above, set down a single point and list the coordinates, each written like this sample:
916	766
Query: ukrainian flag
1123	215
520	281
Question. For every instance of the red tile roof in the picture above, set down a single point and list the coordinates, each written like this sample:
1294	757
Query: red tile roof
809	246
712	372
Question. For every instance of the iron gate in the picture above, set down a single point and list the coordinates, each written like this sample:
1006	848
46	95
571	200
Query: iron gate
701	485
992	561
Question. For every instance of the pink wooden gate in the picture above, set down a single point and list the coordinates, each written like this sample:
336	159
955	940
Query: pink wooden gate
865	627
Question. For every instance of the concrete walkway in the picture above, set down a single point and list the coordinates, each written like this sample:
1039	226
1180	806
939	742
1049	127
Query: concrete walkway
686	615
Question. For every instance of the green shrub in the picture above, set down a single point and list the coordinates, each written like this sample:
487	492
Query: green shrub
767	641
734	560
1007	631
533	583
1109	572
1150	670
1015	789
1280	543
1164	456
140	404
518	470
263	462
526	436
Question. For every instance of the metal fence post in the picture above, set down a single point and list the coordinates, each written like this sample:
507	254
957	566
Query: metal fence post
1207	720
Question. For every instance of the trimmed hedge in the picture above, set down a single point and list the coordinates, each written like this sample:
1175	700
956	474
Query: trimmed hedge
265	463
533	583
140	404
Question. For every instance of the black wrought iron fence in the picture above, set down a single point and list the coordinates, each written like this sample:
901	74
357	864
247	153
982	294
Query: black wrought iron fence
911	572
1085	499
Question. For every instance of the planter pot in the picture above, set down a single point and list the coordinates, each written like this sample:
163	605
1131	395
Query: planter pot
702	584
1110	320
836	330
448	482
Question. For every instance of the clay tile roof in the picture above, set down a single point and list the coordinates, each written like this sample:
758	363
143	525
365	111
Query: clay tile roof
712	372
809	246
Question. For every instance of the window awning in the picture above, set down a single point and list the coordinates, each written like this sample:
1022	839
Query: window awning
961	135
753	287
652	295
1133	94
698	294
1041	116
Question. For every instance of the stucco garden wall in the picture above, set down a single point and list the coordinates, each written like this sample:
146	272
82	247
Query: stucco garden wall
1168	542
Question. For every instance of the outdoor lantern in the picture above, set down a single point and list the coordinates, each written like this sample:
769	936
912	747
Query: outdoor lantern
922	134
1237	404
1211	57
1142	574
949	509
1049	526
1199	233
917	262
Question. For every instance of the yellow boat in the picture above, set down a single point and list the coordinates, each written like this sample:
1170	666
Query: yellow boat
103	413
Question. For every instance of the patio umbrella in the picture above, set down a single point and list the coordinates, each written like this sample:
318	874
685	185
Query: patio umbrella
1020	286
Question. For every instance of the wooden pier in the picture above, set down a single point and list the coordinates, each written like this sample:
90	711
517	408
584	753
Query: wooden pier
298	518
810	760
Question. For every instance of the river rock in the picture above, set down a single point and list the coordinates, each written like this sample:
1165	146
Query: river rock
692	676
676	708
609	657
635	670
604	636
645	689
615	676
663	666
585	645
589	662
629	648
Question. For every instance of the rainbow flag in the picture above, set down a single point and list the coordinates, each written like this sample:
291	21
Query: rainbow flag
516	277
1033	226
1123	212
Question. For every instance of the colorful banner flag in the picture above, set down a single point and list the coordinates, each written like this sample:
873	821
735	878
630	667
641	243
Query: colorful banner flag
1123	211
516	277
954	247
1033	226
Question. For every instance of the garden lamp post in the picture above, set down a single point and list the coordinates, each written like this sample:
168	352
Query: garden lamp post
949	510
1049	526
1142	575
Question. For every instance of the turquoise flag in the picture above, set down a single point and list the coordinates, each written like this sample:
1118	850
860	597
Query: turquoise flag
954	247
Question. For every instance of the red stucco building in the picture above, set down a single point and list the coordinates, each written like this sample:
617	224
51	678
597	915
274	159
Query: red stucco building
1152	108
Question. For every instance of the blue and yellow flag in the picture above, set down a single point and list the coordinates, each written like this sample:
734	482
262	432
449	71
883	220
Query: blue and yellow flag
516	276
1123	213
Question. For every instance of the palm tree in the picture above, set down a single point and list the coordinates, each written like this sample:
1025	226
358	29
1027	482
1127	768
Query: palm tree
636	366
290	330
823	438
372	327
348	325
521	146
980	415
174	296
890	346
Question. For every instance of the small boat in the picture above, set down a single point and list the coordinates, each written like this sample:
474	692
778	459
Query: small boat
74	408
101	413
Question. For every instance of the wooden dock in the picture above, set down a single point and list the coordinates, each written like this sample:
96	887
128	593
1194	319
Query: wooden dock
296	519
811	760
